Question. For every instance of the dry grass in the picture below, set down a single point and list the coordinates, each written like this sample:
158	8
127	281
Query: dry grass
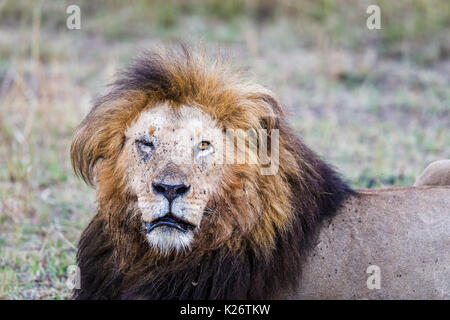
375	104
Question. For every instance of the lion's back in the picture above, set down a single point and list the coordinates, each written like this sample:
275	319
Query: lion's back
403	233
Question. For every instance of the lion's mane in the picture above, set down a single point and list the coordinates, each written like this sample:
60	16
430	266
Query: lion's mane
252	245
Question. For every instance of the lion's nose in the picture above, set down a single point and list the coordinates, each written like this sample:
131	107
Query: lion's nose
170	191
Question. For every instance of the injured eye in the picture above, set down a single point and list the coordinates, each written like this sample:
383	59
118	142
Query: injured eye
145	147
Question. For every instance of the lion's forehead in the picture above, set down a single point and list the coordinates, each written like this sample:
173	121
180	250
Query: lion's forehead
176	134
185	123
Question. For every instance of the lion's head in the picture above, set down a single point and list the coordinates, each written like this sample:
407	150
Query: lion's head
177	203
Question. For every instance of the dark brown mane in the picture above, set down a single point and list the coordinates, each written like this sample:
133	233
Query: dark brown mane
113	256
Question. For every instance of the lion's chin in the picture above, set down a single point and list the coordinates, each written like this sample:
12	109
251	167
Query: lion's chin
168	239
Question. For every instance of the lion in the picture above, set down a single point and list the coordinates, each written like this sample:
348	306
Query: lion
436	173
176	221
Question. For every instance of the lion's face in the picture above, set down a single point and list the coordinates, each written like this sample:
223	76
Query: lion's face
173	167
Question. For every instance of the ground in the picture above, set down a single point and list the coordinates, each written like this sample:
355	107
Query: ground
374	103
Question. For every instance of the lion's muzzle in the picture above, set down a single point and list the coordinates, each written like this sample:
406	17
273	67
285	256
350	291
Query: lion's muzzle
169	191
171	221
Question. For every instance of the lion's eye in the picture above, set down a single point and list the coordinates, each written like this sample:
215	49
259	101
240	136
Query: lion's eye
145	146
204	145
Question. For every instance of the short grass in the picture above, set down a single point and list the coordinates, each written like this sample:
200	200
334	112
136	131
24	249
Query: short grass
375	104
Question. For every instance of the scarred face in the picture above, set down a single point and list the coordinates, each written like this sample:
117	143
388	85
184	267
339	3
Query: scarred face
174	168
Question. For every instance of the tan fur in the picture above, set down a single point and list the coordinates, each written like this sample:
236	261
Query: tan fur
436	173
151	130
403	231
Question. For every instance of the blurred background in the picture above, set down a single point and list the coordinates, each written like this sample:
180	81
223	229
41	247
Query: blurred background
374	103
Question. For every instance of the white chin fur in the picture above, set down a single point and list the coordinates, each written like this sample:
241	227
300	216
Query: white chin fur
166	239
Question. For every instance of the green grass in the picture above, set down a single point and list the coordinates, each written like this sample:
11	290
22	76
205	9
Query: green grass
375	104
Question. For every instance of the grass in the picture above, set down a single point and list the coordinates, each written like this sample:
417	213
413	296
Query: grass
375	104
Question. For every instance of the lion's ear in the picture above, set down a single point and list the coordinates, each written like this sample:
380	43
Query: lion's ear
101	134
269	120
86	150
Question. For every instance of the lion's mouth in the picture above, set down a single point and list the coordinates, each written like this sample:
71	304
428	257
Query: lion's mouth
169	220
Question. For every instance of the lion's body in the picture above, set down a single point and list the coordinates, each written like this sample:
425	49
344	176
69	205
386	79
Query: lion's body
174	226
436	173
404	231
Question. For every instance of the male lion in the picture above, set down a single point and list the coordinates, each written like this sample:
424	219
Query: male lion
176	221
